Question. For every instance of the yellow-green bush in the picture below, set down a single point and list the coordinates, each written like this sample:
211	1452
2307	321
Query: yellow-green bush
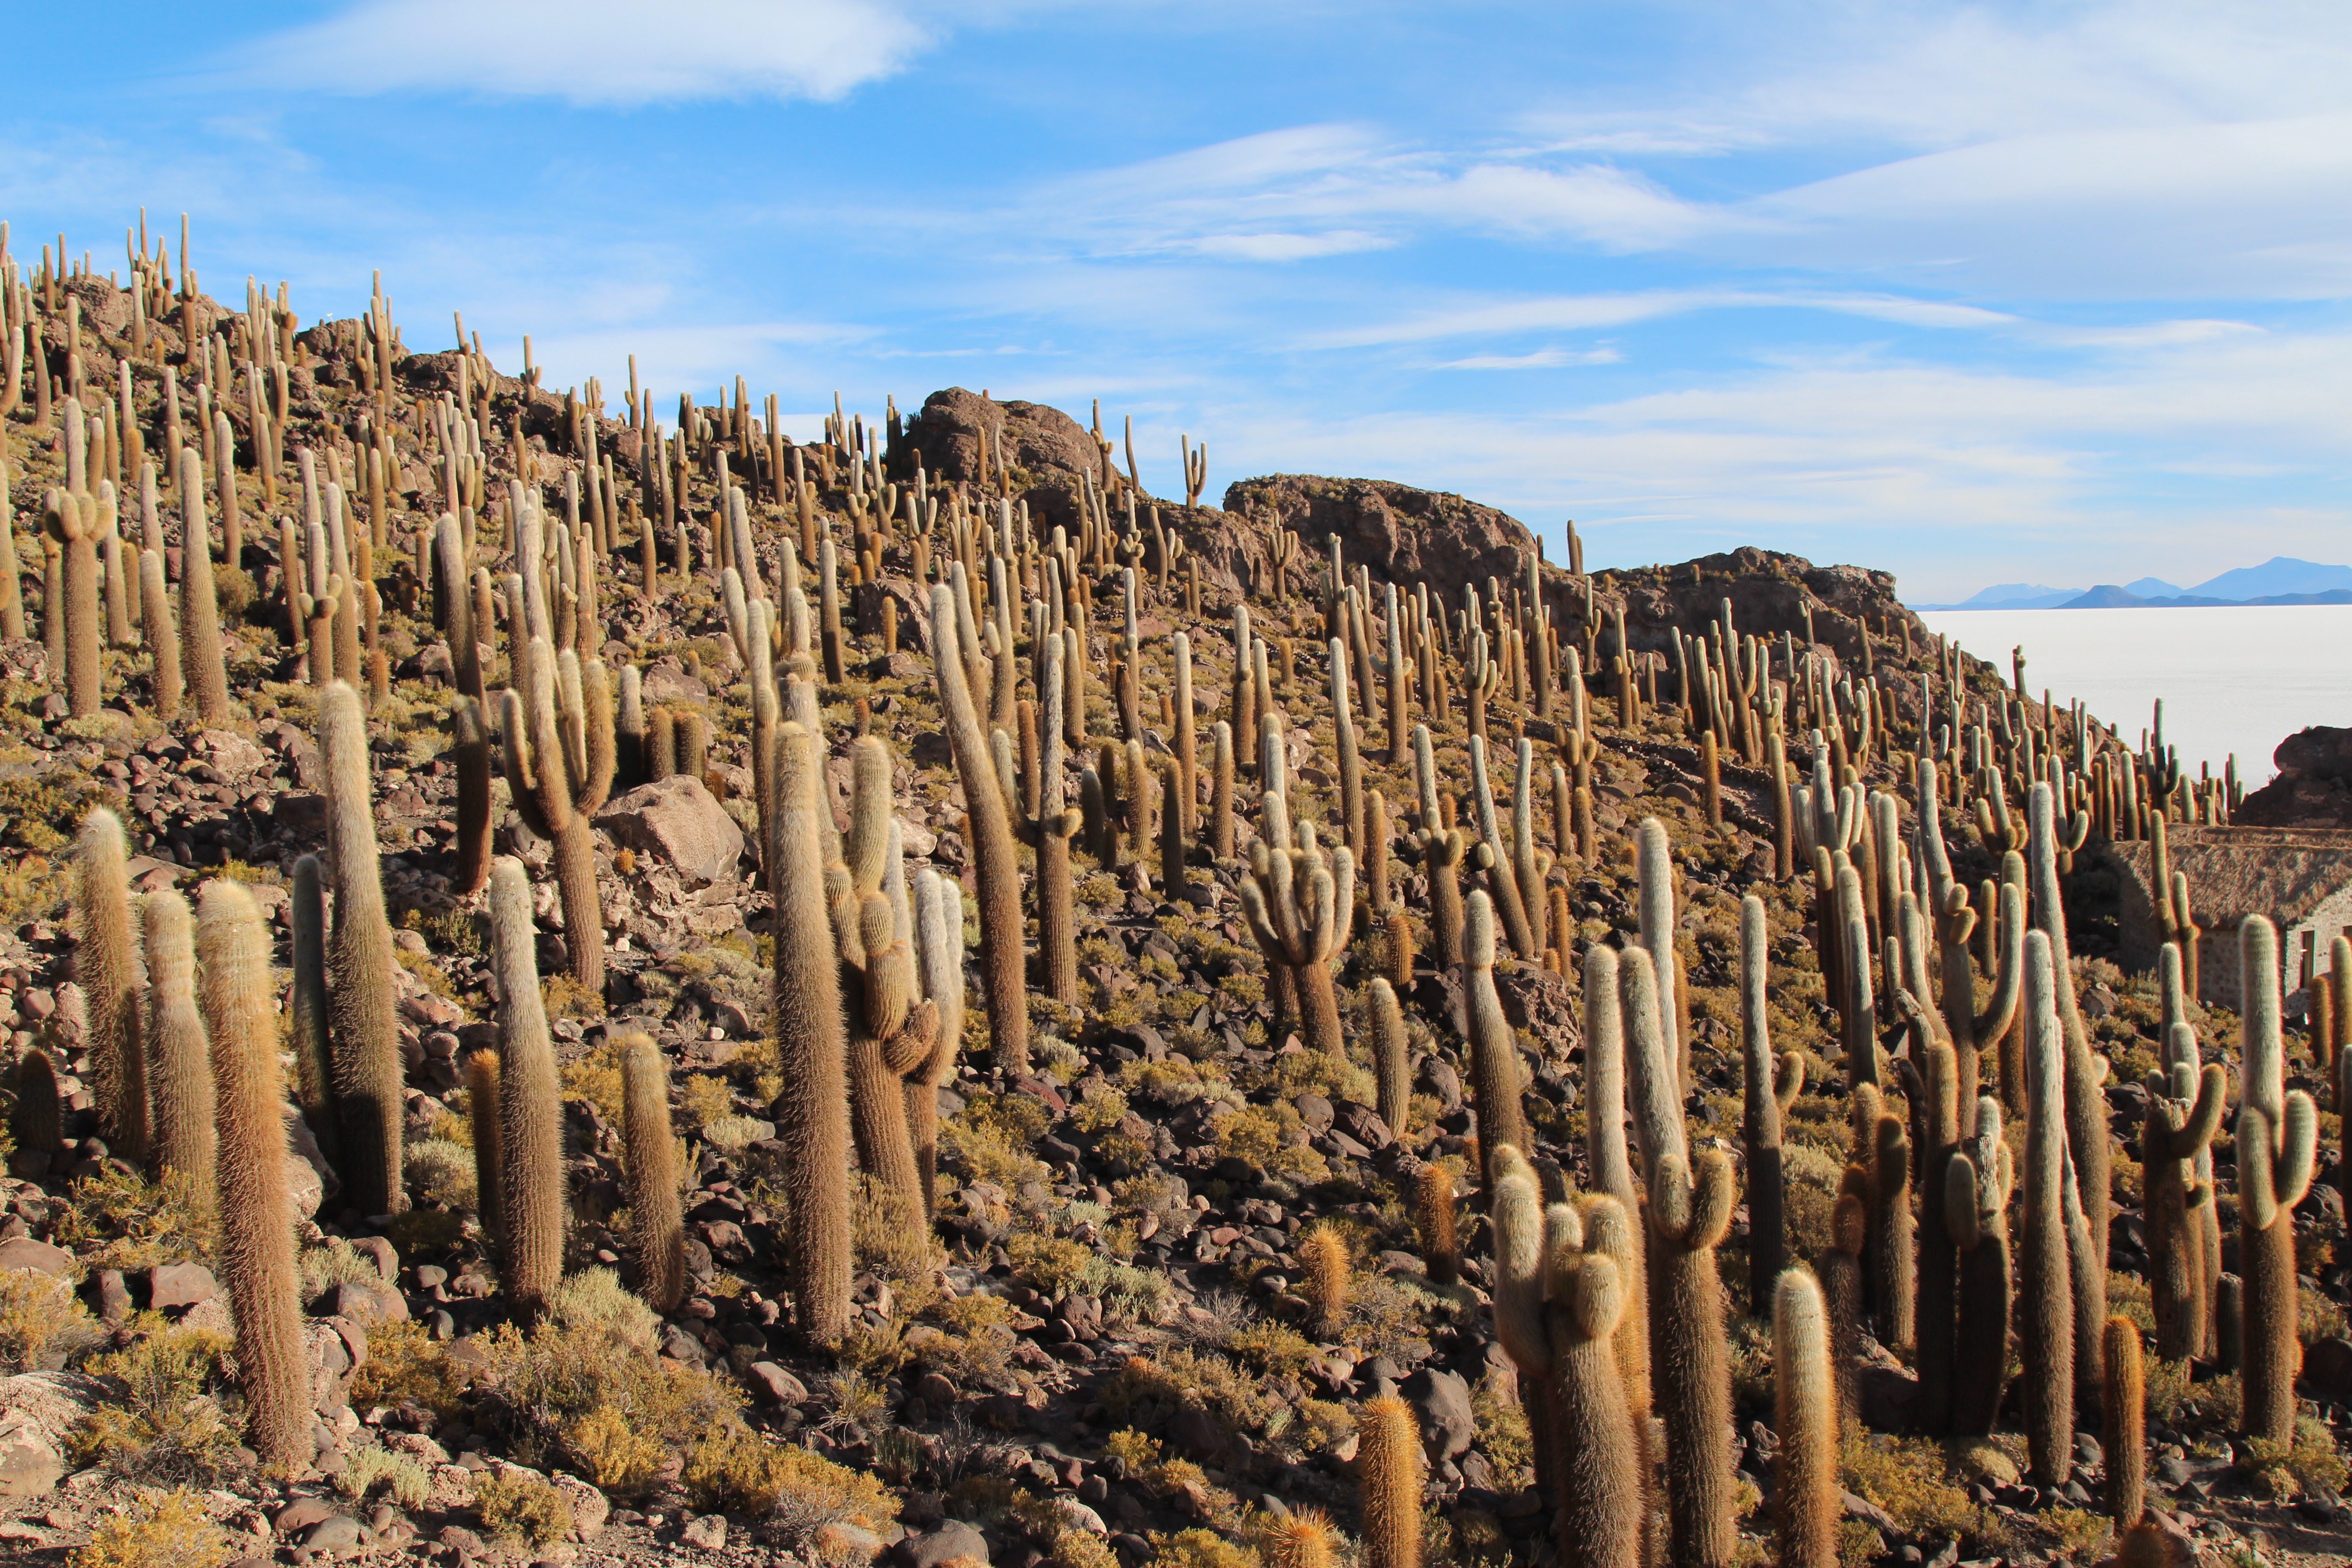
135	1223
514	1506
399	1476
614	1455
735	1468
42	1321
161	1425
165	1530
403	1366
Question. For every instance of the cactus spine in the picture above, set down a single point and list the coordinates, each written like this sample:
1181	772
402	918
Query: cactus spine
530	1109
651	1157
2278	1147
2045	1316
107	965
1003	986
176	1044
1388	1469
257	1222
1804	1418
366	1032
812	1114
1689	1210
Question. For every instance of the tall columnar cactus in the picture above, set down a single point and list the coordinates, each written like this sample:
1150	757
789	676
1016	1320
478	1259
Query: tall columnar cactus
161	637
1221	790
2126	1424
813	1113
1688	1211
1804	1418
106	964
184	1136
365	1029
37	1121
1433	1218
890	1031
1840	1270
1769	1086
201	654
1937	1121
1046	822
1977	1185
2278	1148
314	1073
2185	1108
1612	1166
1442	848
530	1197
255	1256
1493	1053
1351	767
939	961
1391	1072
470	748
1494	856
1895	1254
71	521
1005	988
1599	1487
559	762
1388	1473
2046	1310
1300	903
1654	863
2085	1097
651	1158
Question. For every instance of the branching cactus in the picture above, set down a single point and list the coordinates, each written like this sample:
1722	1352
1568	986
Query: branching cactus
1602	1501
2047	1309
2278	1148
652	1168
1655	864
1769	1086
890	1032
531	1196
1971	1030
1300	904
1688	1211
185	1100
106	962
2085	1094
559	762
72	521
1005	988
1443	850
939	961
813	1113
1046	822
1494	856
2177	1133
255	1256
1804	1418
1493	1053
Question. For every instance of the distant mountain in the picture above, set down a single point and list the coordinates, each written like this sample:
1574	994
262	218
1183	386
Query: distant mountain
2279	574
2280	580
2011	596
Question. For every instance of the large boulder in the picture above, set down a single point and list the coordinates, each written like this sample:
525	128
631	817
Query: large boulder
1405	535
676	820
2313	786
37	1409
1044	449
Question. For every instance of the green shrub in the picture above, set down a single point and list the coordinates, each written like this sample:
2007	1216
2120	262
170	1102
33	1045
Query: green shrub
515	1507
165	1530
399	1475
161	1426
42	1321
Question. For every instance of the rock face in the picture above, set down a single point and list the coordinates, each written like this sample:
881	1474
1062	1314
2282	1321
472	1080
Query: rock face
36	1410
1045	449
1404	534
677	820
1769	592
2314	786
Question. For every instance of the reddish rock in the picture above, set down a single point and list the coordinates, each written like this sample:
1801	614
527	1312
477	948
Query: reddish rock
676	820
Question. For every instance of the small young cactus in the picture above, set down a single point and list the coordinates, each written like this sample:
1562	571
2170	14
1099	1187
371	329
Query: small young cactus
36	1121
1325	1278
1391	1072
531	1195
365	1030
2126	1424
2277	1148
256	1256
1432	1211
1804	1418
106	964
1388	1471
652	1167
185	1109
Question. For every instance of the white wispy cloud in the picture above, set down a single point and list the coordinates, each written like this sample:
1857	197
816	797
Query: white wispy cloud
604	52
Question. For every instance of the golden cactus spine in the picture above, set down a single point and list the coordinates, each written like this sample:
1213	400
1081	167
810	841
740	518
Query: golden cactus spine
531	1195
181	1054
365	1031
106	964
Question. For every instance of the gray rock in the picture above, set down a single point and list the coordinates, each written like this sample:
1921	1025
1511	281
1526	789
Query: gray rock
36	1410
303	1514
589	1507
1442	1399
30	1463
676	820
337	1532
929	1550
772	1385
709	1532
173	1285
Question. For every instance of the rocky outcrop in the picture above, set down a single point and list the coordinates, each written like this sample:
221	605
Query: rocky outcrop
1405	535
2313	786
1770	592
1044	449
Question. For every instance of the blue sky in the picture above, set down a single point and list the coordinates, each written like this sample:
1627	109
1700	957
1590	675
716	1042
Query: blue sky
2053	294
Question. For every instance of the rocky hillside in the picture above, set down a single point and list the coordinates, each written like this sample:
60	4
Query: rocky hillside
588	986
